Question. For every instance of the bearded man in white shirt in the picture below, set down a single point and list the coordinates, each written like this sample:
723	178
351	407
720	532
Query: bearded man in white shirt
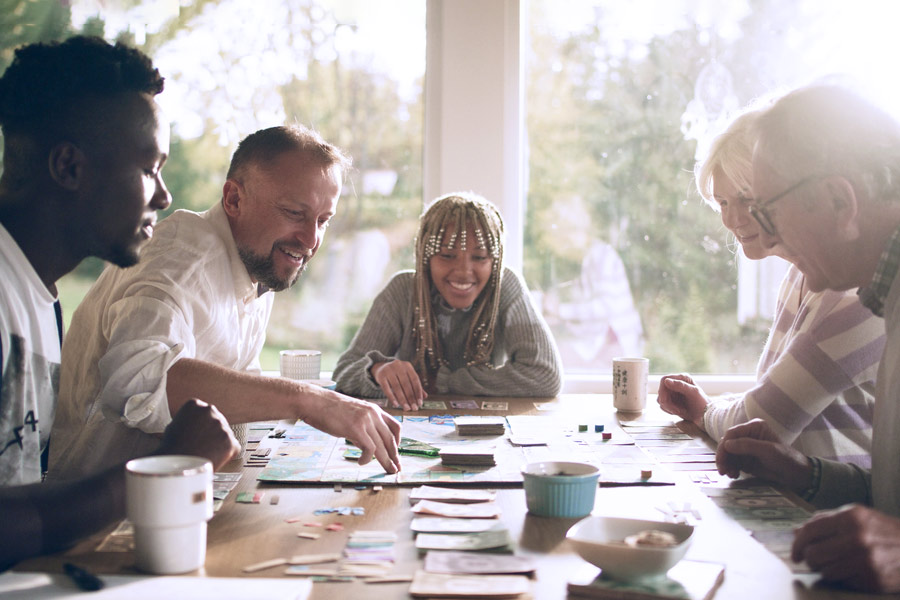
190	319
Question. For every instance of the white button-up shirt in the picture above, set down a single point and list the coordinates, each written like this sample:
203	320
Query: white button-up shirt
189	297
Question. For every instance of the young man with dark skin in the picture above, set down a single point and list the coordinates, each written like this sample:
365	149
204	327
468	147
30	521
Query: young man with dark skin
84	145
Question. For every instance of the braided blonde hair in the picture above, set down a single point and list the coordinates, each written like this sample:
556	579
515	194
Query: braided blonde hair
457	212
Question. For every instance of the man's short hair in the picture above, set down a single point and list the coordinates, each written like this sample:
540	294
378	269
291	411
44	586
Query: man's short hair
827	129
46	83
264	146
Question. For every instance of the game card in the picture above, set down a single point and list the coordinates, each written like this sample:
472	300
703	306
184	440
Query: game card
467	562
463	404
434	405
463	541
494	405
482	510
439	585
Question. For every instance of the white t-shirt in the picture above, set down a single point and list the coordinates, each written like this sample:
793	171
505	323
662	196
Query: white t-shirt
190	296
29	380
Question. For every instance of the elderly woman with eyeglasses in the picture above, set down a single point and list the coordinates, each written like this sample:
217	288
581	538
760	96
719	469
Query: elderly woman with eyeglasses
816	376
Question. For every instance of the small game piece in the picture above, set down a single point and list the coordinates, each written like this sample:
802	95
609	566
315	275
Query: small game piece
413	447
308	535
274	499
598	428
266	564
376	488
249	497
338	487
389	579
607	435
646	474
582	428
335	527
352	453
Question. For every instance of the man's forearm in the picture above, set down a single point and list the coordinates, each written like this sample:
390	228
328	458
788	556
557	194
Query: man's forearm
241	397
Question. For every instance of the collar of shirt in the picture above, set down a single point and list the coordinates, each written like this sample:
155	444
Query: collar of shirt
873	295
245	289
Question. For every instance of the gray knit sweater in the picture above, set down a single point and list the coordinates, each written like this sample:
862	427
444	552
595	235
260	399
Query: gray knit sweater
526	360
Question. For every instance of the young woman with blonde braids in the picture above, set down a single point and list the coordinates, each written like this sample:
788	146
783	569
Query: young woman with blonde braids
460	323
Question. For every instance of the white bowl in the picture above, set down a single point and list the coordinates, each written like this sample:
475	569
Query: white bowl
600	541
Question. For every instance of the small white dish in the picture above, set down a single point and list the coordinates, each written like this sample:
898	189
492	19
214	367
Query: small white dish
601	542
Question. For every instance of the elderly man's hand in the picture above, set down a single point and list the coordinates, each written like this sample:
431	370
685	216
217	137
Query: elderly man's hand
753	448
678	395
400	383
199	429
374	431
854	545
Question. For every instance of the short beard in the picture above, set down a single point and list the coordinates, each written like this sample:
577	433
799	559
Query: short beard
262	270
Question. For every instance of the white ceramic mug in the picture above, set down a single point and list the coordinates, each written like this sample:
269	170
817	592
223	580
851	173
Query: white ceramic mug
630	383
300	364
168	500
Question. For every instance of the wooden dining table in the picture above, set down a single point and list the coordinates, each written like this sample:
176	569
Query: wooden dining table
242	534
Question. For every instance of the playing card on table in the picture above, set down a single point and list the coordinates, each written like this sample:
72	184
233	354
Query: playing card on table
452	495
494	405
439	585
451	525
483	510
463	404
434	405
467	562
468	455
483	540
469	425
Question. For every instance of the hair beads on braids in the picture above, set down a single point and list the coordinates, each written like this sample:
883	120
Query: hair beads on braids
458	212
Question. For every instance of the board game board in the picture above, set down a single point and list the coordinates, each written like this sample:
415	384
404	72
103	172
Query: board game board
308	455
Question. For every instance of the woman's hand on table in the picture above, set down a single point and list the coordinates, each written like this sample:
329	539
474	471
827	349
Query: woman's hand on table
854	545
753	448
400	383
678	395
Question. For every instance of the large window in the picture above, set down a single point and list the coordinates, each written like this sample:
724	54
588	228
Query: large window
582	119
622	97
352	70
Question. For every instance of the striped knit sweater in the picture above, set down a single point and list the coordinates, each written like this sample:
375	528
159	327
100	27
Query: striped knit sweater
816	376
526	361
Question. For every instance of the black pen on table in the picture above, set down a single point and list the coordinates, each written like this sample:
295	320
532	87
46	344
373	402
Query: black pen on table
83	578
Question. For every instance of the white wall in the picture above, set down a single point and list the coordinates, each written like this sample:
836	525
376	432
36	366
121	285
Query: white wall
474	107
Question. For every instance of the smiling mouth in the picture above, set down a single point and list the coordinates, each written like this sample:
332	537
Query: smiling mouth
462	287
298	256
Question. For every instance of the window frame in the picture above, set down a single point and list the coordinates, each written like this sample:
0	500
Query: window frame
469	88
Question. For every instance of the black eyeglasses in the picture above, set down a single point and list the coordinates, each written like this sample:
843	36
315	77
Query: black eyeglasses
760	212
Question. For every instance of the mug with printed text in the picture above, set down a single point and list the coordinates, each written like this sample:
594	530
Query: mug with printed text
630	383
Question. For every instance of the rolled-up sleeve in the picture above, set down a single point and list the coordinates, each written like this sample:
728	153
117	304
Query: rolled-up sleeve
142	330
